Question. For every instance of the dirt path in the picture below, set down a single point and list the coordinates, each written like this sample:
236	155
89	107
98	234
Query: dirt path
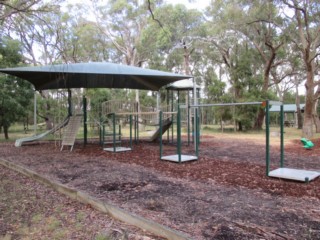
224	195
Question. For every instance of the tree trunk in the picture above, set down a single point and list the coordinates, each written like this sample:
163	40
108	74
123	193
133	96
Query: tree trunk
221	125
266	77
299	118
6	132
316	117
49	123
307	130
259	120
204	119
316	122
309	55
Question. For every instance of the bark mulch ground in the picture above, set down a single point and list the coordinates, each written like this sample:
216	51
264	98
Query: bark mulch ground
30	210
223	195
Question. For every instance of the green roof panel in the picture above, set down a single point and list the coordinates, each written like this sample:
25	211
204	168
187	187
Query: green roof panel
94	75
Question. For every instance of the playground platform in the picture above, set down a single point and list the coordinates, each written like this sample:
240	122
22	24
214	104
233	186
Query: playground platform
117	149
294	174
175	158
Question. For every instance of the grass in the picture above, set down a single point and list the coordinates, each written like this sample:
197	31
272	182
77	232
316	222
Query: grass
291	133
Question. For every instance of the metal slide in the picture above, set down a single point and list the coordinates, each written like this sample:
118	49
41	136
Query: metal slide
19	142
166	125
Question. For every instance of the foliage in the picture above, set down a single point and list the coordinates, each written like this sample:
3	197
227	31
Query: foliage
15	94
237	50
169	43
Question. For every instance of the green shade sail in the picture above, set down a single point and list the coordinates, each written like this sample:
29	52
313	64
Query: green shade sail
94	75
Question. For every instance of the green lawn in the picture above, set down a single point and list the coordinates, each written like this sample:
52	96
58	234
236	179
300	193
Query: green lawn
17	131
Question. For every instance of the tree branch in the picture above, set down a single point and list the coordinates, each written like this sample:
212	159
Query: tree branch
152	15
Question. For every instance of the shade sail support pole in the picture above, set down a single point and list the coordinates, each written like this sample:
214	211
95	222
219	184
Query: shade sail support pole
35	112
69	102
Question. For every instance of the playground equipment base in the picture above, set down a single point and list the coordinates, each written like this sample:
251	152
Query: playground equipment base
294	174
117	149
175	158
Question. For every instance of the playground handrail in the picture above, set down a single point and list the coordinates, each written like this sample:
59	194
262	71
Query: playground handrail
146	115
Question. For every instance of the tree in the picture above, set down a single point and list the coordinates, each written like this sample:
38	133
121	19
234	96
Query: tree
306	36
9	8
13	12
250	36
171	41
15	94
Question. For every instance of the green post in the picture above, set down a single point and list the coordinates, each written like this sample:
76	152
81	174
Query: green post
188	116
100	129
114	131
172	125
167	108
197	132
137	122
85	129
160	129
102	133
130	131
69	102
199	124
179	135
267	139
281	137
138	130
119	136
178	120
135	128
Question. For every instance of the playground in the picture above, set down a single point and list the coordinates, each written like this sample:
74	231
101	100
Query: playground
203	185
223	195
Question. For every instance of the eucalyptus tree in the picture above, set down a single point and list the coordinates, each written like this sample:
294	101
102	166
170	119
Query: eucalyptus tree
10	8
173	45
38	39
305	33
79	39
256	26
17	17
12	15
266	30
15	94
121	23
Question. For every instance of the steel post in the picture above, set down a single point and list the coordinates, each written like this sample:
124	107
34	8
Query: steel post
160	129
179	134
281	137
130	131
85	129
267	121
114	131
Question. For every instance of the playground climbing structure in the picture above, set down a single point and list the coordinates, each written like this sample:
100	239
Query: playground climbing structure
117	113
281	172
